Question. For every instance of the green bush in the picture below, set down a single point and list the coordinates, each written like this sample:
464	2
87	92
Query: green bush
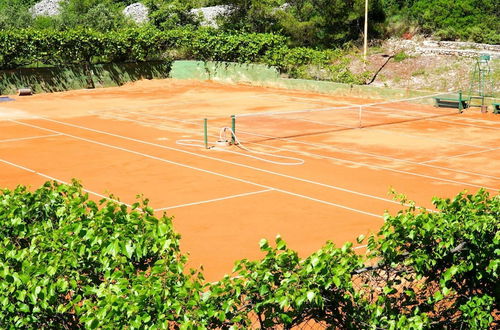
282	289
442	263
66	261
171	14
468	20
69	262
308	23
14	15
401	56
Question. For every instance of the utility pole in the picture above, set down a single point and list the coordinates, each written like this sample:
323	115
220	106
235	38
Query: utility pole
365	50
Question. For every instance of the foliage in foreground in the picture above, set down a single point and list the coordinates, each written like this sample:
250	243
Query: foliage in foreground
66	261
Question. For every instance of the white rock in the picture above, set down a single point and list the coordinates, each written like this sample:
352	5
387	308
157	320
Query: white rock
210	14
137	12
46	8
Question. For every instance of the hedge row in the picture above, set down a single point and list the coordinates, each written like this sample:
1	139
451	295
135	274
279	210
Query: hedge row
27	47
18	48
69	262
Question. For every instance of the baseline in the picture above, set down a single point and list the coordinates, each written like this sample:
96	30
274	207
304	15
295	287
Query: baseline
459	156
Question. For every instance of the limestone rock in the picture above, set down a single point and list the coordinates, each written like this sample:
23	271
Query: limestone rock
46	8
209	14
137	12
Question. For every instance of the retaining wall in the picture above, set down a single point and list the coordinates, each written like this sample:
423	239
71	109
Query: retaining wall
55	79
263	75
63	78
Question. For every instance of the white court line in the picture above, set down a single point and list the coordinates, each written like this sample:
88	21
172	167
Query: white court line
461	155
457	123
149	123
342	150
183	121
464	124
292	99
29	138
421	136
214	200
200	169
60	181
384	168
167	106
484	121
268	113
209	157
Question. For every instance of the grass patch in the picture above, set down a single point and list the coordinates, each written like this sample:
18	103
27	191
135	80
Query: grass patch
419	72
401	56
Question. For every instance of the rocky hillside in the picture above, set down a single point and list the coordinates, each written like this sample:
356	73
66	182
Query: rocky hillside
427	64
136	11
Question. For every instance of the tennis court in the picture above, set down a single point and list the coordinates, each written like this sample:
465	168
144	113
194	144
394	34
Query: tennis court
310	167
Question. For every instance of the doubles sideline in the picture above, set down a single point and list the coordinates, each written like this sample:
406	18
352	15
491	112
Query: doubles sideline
207	157
200	169
24	168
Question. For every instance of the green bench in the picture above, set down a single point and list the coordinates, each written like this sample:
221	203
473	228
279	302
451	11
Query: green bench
444	102
496	108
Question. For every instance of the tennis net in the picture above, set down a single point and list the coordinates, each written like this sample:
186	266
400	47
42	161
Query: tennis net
256	127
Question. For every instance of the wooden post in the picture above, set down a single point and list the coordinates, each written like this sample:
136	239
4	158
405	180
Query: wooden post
365	47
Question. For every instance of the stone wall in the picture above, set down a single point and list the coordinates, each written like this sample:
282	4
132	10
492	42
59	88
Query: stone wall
431	47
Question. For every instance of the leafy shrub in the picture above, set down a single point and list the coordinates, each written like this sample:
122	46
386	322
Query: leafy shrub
308	23
171	14
401	56
14	15
242	48
437	262
282	289
92	14
66	261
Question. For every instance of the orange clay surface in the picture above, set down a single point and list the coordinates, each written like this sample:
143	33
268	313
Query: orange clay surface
125	141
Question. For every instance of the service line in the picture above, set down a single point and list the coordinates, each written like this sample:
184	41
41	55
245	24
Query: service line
460	155
29	138
214	200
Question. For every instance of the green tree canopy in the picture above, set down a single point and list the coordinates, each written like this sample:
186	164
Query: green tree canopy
316	23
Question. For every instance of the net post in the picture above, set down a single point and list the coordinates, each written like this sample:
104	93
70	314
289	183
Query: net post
205	132
233	128
460	107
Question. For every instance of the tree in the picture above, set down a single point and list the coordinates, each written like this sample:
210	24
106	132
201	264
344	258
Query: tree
315	23
97	15
14	14
66	262
171	13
